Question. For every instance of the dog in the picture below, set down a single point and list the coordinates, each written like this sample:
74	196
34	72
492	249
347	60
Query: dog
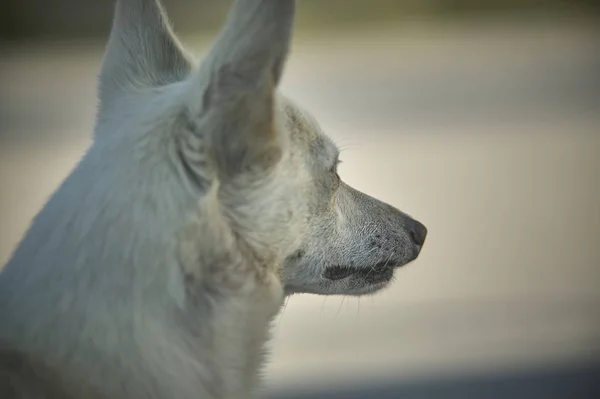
206	197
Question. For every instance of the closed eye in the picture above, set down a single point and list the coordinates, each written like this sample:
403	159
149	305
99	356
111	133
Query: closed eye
334	172
335	166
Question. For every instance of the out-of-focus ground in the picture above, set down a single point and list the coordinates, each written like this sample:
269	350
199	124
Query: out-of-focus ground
488	132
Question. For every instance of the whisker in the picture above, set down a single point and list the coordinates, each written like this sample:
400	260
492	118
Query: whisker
323	305
385	265
390	258
284	307
340	307
370	270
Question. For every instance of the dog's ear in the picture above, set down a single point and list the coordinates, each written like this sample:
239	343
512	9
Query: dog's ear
142	50
235	86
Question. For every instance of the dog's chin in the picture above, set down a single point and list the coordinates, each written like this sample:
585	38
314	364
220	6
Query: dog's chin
348	280
359	280
379	273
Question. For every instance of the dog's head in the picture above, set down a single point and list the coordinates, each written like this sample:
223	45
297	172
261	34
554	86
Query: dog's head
224	125
352	242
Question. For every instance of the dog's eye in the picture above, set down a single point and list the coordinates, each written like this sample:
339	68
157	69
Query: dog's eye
335	167
334	172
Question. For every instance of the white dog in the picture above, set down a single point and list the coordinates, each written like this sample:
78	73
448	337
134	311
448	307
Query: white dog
155	269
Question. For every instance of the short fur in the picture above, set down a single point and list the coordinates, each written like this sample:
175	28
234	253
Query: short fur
156	268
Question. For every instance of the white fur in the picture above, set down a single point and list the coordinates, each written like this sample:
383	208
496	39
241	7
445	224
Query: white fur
155	269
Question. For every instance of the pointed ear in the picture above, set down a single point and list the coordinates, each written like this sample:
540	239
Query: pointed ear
142	50
235	86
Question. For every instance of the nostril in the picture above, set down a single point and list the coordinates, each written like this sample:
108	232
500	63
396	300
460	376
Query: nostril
418	233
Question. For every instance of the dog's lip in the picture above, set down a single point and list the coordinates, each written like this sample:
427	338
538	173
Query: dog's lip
377	273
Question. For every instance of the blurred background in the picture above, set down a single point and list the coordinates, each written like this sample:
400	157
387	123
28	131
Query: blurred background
479	118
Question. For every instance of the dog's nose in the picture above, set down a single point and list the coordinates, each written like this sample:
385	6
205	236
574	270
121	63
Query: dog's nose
418	232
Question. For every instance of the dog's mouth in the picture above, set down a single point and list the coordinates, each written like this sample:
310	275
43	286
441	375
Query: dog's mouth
379	273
